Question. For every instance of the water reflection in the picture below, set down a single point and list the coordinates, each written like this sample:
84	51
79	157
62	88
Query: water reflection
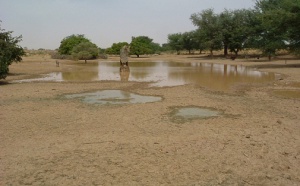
213	76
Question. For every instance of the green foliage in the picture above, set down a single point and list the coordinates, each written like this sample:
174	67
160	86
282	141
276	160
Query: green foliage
237	26
268	36
69	42
209	29
272	26
115	48
156	48
175	42
189	41
143	45
10	51
166	47
280	24
186	40
85	51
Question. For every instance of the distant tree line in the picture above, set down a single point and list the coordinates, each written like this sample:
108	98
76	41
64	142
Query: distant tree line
271	26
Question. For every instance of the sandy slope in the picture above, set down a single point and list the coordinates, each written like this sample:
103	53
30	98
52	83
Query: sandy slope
46	139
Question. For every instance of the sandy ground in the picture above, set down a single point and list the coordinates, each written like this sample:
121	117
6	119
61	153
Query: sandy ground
48	140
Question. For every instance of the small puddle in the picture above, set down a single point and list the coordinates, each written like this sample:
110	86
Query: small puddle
291	94
184	114
113	97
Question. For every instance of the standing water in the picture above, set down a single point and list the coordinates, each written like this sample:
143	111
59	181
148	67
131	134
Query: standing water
212	76
113	97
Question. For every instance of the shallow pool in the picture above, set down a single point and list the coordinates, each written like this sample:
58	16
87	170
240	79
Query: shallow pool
113	97
182	114
160	73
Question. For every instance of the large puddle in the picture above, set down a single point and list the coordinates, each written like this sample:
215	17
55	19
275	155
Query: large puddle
183	114
113	97
213	76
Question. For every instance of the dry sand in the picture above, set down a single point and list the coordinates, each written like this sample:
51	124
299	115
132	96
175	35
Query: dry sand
48	140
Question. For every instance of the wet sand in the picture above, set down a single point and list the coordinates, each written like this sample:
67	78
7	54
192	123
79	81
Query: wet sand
47	139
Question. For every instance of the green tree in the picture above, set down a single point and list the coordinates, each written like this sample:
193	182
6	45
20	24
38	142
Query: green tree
175	42
199	41
293	29
156	48
280	24
10	51
189	41
166	47
209	28
141	45
237	26
69	42
115	48
85	51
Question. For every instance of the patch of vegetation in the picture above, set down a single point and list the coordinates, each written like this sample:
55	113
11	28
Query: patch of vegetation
10	51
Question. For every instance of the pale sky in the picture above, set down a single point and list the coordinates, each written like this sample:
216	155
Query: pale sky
44	23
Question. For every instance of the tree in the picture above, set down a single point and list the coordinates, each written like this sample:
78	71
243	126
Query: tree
69	42
189	41
166	47
115	48
175	42
85	51
156	48
141	45
199	41
280	24
237	26
293	29
10	51
209	29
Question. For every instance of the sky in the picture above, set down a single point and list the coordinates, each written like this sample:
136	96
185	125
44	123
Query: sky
44	23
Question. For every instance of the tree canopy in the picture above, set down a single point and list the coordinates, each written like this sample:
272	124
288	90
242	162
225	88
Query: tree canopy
115	48
85	51
78	47
175	42
10	51
270	26
209	28
280	24
69	42
143	45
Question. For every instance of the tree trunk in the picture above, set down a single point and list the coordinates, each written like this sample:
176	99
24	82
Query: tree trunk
85	60
225	49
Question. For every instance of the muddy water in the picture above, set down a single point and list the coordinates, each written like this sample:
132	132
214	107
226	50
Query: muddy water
113	97
212	76
184	114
